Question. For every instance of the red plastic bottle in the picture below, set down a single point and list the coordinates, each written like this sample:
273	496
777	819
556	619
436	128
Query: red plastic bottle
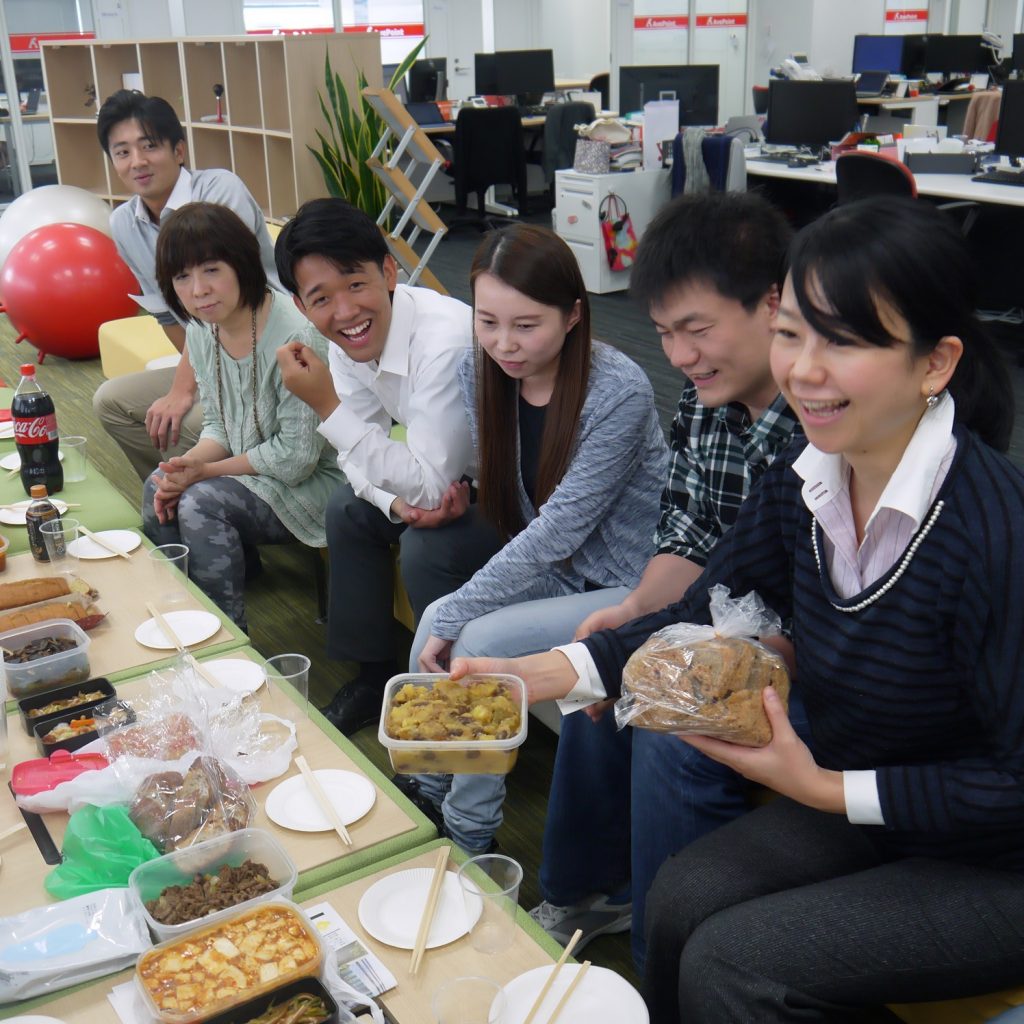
35	434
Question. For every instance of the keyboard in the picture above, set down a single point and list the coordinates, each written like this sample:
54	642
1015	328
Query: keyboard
794	159
1001	177
535	110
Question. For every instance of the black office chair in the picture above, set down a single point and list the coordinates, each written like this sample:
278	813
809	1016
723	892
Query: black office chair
489	150
860	175
602	83
560	136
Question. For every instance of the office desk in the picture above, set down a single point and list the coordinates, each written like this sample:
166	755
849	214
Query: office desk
923	109
939	186
448	128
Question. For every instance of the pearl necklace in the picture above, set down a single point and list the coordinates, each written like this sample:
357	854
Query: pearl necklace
894	578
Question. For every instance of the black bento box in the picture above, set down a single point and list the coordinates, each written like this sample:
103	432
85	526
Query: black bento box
77	742
245	1012
40	700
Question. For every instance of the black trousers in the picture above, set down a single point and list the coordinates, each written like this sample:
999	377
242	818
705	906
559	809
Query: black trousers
434	562
789	914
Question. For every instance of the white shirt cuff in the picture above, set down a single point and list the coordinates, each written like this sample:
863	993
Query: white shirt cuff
860	791
588	688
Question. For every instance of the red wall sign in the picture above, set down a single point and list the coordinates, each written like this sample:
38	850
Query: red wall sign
721	20
657	21
28	42
903	16
387	30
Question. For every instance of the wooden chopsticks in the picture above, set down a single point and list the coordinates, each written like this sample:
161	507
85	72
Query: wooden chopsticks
20	506
440	870
569	991
546	987
14	828
168	631
323	800
104	543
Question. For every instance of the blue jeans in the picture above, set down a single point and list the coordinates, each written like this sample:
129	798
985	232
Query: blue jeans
622	803
471	804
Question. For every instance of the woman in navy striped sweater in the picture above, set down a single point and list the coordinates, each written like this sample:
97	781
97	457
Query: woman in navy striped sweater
891	869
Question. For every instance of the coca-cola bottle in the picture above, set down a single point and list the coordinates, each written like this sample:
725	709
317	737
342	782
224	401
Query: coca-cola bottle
35	433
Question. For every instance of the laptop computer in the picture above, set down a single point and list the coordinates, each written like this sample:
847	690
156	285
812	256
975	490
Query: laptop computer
425	113
871	84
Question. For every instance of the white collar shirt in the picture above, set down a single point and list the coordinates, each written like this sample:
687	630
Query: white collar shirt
414	383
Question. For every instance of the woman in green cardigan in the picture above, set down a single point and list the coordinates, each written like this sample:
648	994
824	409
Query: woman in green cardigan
260	473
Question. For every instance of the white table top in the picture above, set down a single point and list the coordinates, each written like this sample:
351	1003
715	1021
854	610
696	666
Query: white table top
943	186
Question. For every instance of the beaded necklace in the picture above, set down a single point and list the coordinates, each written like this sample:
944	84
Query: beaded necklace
220	393
893	579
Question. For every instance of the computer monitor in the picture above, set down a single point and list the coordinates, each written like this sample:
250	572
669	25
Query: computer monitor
485	68
1010	133
387	72
915	48
878	53
955	55
428	80
694	85
1017	57
807	113
525	74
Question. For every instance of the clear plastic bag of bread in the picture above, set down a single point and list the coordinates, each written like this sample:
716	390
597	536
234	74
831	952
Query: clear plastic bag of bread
707	680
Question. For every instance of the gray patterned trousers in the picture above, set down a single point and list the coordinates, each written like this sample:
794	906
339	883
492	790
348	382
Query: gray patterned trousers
215	518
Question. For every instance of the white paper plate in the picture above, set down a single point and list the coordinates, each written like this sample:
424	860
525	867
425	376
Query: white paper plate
86	547
603	997
7	430
291	805
15	516
390	909
239	675
33	1018
193	627
13	460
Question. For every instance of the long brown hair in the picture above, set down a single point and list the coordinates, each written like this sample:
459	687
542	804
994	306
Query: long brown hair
536	262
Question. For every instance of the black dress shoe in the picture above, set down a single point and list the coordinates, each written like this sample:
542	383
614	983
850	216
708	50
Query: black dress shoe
355	706
410	787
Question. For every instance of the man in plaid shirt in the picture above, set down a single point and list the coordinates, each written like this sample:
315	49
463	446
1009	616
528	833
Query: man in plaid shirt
622	802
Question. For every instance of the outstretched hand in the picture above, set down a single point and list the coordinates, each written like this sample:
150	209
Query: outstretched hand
785	765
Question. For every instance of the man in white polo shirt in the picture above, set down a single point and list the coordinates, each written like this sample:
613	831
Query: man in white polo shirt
155	414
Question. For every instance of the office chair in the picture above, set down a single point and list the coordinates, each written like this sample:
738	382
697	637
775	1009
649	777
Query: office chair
602	83
560	136
760	93
489	150
860	175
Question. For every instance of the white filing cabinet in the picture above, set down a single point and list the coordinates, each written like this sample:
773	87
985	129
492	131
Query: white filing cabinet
578	200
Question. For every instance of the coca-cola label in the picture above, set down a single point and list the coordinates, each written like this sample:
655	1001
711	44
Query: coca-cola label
37	430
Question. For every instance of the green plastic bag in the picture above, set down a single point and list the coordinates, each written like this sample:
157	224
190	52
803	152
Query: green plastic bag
101	848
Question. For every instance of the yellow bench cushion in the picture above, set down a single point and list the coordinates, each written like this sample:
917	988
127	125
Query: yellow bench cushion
976	1010
127	345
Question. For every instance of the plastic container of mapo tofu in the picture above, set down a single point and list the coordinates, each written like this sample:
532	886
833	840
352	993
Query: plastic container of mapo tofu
215	967
460	726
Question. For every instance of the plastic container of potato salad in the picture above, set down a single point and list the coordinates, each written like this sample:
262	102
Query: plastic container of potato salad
432	725
211	969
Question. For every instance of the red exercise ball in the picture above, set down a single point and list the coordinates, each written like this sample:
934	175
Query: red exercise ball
59	283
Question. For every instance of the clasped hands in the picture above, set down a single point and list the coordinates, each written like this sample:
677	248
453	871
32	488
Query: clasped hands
178	474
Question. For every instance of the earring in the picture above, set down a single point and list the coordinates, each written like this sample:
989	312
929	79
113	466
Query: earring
933	399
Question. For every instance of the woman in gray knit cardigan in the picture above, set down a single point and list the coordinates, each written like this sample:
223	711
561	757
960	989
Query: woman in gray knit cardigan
571	462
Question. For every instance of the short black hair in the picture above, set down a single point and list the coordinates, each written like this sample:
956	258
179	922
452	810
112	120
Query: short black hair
904	255
155	115
334	229
200	232
733	241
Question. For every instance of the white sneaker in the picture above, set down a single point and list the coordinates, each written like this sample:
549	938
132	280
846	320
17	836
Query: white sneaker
594	916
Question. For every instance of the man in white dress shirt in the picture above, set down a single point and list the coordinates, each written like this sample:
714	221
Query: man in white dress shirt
393	360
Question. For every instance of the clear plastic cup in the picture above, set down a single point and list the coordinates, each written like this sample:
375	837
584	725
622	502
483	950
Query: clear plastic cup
490	890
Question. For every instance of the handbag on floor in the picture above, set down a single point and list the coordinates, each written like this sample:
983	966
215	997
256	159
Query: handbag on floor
617	232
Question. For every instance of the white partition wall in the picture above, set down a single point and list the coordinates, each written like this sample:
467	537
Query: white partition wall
719	37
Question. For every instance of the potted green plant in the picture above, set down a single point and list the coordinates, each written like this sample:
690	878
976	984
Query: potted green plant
354	129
